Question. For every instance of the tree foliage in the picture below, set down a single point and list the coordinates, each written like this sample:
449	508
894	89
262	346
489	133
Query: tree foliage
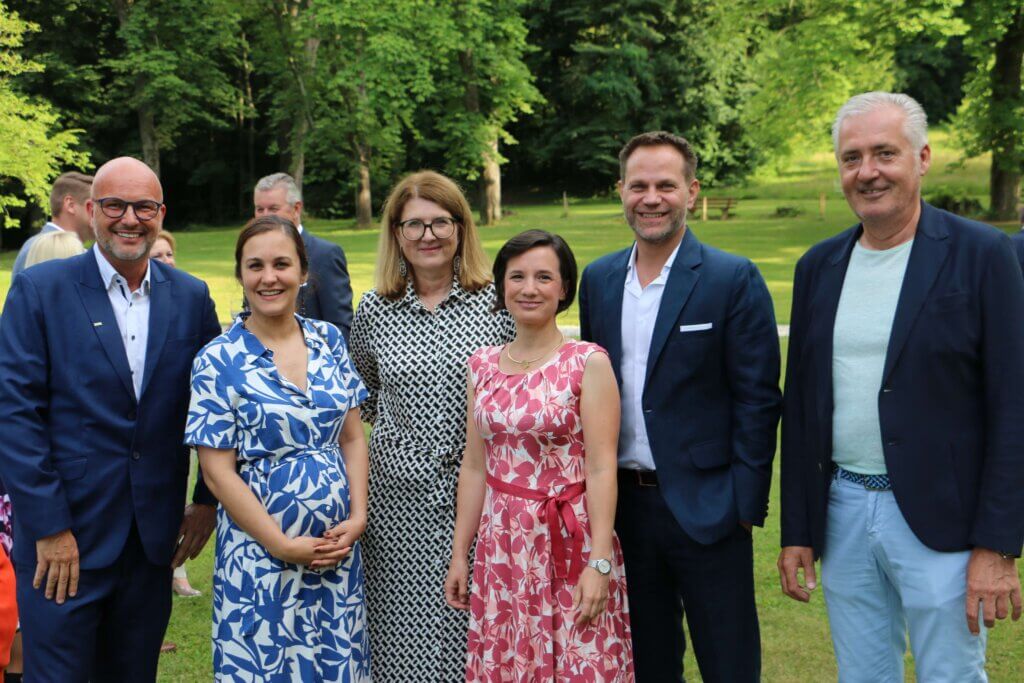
33	145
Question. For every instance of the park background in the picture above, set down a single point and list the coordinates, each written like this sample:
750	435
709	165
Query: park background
526	103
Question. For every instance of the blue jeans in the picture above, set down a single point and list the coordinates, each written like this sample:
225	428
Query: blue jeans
880	582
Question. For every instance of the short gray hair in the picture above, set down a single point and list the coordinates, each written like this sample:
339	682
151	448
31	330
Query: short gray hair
915	124
293	194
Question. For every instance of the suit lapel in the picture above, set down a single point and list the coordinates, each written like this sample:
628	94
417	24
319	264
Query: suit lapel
613	285
101	314
825	305
159	320
682	278
927	256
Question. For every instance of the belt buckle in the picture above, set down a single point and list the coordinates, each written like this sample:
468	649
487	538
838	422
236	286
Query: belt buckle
643	481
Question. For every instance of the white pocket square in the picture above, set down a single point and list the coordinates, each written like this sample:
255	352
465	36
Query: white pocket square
698	327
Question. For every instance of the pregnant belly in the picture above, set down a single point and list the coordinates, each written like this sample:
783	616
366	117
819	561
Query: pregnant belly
307	496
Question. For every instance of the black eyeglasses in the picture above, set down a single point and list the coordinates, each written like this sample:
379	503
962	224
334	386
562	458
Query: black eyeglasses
145	210
414	229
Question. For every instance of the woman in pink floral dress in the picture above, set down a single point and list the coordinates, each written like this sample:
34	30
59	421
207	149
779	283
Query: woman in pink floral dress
537	490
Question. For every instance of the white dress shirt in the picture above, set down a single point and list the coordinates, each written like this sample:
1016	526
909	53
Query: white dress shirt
131	310
639	312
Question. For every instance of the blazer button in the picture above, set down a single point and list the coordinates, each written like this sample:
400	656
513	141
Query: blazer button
136	455
893	442
886	390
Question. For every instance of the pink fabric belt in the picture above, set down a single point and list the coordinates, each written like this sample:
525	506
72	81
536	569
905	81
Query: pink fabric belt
555	507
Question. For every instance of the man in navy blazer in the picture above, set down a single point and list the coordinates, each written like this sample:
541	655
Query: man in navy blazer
327	293
691	334
902	437
1018	241
95	356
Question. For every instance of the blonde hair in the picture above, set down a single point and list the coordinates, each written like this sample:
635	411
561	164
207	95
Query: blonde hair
53	245
166	236
474	273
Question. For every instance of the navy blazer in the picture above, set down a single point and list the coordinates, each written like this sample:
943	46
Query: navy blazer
711	397
79	451
952	392
1018	246
327	295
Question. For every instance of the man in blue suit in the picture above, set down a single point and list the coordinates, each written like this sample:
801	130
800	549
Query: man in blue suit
327	293
95	356
691	334
902	437
67	213
1018	241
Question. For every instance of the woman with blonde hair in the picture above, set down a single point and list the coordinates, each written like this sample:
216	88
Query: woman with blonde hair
53	245
431	307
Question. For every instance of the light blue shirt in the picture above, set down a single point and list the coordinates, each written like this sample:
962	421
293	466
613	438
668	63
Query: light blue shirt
639	312
860	340
131	310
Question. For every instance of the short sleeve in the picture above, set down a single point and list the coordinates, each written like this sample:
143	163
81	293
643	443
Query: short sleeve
211	417
350	381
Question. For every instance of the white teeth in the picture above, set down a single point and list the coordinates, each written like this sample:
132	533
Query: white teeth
270	292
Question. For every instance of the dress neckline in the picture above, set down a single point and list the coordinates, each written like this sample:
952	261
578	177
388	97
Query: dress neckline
554	357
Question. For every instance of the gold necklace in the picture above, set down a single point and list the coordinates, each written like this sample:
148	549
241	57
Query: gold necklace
525	364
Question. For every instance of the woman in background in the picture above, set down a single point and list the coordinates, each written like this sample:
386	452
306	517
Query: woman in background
431	307
53	245
538	489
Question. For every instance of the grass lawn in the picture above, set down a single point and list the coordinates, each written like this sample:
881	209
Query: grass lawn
795	636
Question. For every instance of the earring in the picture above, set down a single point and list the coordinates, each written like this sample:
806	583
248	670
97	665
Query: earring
402	269
456	266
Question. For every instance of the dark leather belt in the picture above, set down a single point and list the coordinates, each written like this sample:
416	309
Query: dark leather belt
647	478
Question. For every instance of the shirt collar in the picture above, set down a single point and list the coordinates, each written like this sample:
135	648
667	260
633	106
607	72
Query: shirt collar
108	274
665	269
299	228
410	299
239	332
54	226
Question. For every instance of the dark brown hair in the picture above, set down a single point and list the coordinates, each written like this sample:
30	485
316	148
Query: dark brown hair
657	138
268	223
524	242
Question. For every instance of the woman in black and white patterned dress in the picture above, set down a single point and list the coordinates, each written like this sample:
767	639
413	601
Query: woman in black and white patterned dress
412	336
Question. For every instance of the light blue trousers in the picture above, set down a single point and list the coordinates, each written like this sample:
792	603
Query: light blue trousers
881	582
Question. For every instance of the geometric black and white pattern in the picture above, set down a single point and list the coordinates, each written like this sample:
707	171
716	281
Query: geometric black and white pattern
414	363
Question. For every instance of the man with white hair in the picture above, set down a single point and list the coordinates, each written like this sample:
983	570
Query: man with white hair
902	459
327	293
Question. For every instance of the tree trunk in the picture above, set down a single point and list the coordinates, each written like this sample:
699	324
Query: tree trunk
490	186
1005	174
150	144
364	204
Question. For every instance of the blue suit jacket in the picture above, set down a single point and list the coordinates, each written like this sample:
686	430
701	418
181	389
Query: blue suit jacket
1018	246
79	451
711	398
328	293
952	392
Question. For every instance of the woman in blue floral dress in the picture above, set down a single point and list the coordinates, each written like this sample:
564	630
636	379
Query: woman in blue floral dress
274	415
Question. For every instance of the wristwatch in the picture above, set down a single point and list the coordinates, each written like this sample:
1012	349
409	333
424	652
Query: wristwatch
603	566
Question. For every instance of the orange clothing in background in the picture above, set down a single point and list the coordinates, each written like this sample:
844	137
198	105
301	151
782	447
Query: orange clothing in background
8	611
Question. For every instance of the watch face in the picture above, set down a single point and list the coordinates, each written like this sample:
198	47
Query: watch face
603	566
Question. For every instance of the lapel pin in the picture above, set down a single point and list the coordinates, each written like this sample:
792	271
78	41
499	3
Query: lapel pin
97	324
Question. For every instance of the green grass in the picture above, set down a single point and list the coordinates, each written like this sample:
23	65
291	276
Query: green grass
795	636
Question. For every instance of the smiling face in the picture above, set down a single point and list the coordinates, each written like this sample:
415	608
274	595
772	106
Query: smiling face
162	252
533	286
429	254
126	240
878	167
271	274
656	194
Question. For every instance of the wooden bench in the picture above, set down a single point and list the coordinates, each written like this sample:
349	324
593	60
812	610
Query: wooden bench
723	204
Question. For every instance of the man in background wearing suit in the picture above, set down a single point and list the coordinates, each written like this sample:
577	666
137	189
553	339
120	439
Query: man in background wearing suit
1018	241
327	294
95	357
67	212
902	437
691	333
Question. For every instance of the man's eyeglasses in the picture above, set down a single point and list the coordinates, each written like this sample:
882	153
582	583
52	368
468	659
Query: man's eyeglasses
414	229
145	210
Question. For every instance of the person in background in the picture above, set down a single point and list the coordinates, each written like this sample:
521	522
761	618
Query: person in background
431	307
537	489
53	245
164	247
1018	241
275	417
8	613
902	461
67	213
327	293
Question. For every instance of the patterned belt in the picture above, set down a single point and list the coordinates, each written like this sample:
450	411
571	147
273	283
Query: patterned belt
872	482
556	506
